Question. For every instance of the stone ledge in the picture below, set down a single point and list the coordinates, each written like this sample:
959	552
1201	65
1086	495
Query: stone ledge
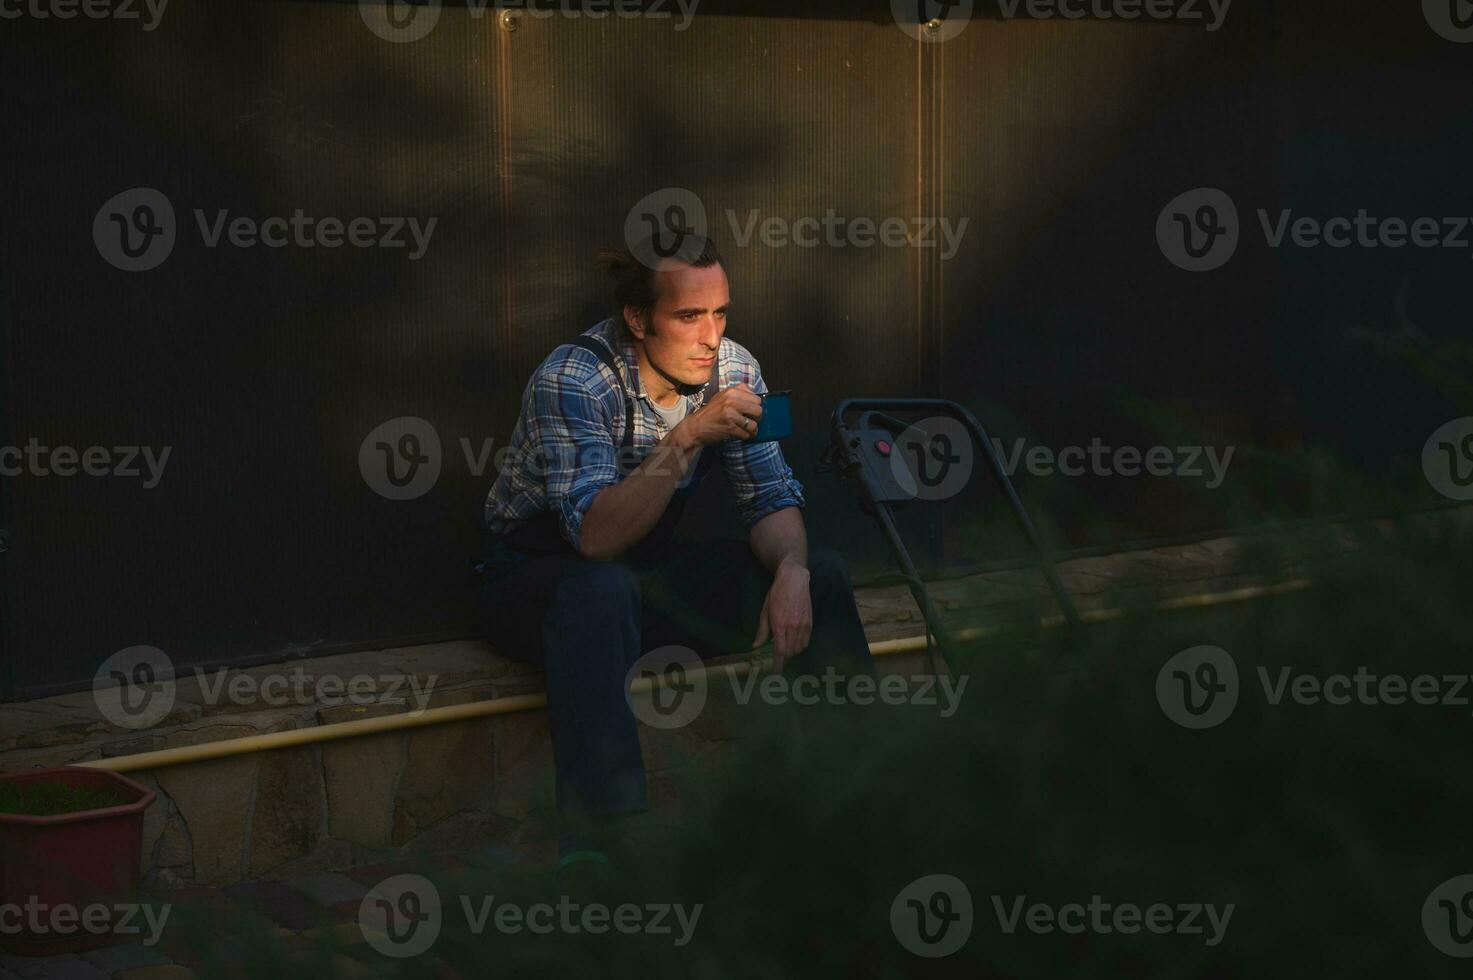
374	798
231	702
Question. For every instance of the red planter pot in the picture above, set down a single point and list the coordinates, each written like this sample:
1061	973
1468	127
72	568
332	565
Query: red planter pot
75	860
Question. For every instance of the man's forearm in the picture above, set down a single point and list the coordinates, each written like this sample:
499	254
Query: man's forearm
780	537
622	514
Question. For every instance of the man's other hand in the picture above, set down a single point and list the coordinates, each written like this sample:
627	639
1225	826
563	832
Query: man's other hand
787	614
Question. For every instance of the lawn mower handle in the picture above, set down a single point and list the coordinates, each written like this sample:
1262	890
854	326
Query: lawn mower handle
848	447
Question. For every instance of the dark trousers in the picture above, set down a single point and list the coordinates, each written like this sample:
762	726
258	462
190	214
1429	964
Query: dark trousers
587	622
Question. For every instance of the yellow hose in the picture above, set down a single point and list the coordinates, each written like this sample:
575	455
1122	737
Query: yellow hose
225	748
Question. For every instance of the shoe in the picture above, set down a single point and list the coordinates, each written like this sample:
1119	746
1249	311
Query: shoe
584	872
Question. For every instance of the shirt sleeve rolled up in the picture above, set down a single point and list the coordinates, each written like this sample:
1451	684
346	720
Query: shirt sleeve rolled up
760	478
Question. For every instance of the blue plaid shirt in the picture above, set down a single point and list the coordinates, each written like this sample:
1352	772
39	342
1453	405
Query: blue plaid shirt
564	446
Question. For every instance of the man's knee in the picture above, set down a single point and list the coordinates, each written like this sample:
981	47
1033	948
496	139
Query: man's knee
827	568
597	588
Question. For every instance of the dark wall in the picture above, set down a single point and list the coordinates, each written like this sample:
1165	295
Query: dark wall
1058	319
1063	322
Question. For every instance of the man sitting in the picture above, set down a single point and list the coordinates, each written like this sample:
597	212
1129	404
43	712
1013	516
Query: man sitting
586	573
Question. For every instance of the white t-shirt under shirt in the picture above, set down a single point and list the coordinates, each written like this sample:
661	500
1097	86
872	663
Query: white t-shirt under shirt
672	417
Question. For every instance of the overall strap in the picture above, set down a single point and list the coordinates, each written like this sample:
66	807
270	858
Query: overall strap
707	459
600	350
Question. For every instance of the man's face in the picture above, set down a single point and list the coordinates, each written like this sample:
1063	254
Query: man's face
681	334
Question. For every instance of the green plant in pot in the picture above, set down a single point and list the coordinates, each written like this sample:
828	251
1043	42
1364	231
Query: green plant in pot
70	853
